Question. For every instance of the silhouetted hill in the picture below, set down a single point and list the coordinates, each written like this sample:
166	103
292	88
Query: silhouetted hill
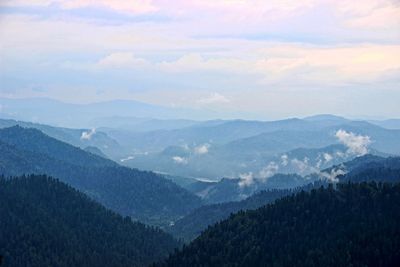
352	225
372	168
191	226
47	223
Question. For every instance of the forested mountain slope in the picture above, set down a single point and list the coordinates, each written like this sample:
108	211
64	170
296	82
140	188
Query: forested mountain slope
142	195
46	223
366	168
352	225
77	137
191	226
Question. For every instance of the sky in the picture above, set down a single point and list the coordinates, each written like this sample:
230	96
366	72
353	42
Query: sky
255	59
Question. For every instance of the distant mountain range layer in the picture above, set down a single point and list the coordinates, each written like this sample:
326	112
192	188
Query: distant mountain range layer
228	148
145	196
352	225
47	223
239	147
50	111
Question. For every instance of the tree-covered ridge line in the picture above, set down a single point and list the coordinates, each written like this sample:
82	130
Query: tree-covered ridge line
45	222
354	224
365	168
143	195
193	224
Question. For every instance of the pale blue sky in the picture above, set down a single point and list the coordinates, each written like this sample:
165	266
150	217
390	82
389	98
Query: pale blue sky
271	59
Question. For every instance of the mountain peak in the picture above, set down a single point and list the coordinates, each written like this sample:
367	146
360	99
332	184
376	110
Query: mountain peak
321	117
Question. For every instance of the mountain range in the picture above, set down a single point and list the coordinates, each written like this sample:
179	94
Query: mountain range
144	196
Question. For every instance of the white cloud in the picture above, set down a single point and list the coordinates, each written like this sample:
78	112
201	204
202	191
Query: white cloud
19	3
180	160
332	175
268	171
121	60
127	158
88	135
246	179
284	160
202	149
372	14
356	144
340	56
214	98
327	157
304	166
124	6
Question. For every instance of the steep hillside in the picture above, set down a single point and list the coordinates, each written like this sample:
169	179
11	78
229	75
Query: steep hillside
47	223
352	225
142	195
191	226
77	137
361	169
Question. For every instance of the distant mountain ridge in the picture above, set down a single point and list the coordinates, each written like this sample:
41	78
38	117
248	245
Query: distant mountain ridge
77	137
238	147
46	110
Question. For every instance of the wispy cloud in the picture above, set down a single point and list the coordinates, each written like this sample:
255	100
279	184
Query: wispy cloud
125	6
259	51
214	98
202	149
246	179
87	135
180	160
356	144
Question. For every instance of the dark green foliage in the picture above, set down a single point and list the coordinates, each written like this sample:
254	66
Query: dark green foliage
190	226
352	225
372	168
142	195
47	223
366	168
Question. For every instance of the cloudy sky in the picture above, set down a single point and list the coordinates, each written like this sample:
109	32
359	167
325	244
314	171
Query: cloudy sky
256	59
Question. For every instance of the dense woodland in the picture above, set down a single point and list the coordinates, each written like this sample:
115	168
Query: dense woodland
47	223
142	195
351	225
51	223
361	169
372	168
191	226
